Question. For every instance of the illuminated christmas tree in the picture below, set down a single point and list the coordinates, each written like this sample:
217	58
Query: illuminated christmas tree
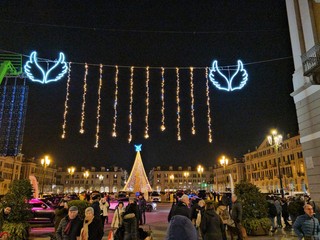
138	181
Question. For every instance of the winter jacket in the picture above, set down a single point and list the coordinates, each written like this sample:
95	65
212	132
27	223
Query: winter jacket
117	218
74	232
307	226
212	226
96	207
180	227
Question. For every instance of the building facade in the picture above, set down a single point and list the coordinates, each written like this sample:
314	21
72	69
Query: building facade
167	179
10	169
263	165
304	26
87	180
13	106
226	177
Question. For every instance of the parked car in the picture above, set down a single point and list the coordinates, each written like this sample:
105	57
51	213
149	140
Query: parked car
41	212
151	206
155	197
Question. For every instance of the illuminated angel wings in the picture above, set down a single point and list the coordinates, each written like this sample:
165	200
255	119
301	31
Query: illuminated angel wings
37	74
237	80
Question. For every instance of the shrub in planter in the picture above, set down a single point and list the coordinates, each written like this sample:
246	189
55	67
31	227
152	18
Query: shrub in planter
254	208
18	196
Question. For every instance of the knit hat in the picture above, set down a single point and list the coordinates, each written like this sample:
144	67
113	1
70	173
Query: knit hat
73	208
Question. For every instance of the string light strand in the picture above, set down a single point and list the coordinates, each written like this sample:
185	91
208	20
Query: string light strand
208	108
178	105
193	129
163	125
64	125
99	107
84	99
146	132
115	104
130	104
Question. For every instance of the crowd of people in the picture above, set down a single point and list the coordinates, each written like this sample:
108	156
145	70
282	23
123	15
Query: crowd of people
125	222
207	220
189	219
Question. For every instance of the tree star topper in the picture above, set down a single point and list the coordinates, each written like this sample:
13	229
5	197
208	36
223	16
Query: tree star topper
235	82
37	74
138	147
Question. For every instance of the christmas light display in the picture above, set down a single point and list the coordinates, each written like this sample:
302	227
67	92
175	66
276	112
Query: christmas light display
98	106
36	73
84	99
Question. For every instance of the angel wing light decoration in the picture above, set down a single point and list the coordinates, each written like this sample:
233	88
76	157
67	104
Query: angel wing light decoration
36	73
237	80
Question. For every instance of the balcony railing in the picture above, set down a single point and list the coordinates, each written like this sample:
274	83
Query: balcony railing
311	60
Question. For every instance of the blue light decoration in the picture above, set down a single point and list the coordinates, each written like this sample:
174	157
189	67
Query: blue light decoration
37	74
235	82
138	147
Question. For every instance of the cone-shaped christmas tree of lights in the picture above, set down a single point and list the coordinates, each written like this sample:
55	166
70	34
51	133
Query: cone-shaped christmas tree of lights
138	181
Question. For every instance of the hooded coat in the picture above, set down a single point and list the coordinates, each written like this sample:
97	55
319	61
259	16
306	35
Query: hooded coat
180	227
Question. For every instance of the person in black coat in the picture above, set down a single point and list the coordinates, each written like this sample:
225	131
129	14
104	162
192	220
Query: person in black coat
131	220
91	229
211	224
181	208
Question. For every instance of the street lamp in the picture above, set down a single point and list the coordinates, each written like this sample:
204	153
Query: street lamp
45	162
86	175
186	175
71	171
275	140
172	178
200	171
101	180
224	162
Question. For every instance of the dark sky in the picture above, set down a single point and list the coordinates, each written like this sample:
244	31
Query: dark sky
153	33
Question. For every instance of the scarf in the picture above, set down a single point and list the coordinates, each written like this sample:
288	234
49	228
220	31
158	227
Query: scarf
68	227
84	235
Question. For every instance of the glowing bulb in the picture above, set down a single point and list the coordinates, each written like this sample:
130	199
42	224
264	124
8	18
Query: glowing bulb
162	128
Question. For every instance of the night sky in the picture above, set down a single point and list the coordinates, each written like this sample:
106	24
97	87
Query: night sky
153	33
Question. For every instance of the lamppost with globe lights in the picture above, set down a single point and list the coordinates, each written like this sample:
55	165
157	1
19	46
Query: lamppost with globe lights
224	162
86	175
45	162
275	140
71	171
200	171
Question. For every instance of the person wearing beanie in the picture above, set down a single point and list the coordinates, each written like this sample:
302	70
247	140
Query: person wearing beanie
70	226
